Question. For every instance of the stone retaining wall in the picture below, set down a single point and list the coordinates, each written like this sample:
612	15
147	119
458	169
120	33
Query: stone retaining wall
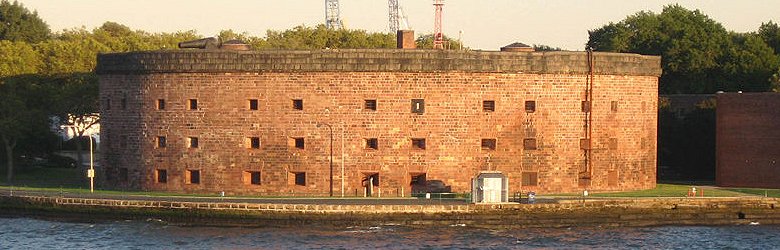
613	212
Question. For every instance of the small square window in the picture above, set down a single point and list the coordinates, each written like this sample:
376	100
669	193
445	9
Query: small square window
161	175
530	106
192	142
370	105
489	144
192	177
372	143
161	142
298	104
614	106
160	104
530	179
418	106
299	178
252	177
488	106
299	143
585	106
253	104
123	102
108	104
254	142
613	143
193	104
529	143
418	143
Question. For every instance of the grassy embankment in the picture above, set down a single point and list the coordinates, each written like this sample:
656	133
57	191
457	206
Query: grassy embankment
71	180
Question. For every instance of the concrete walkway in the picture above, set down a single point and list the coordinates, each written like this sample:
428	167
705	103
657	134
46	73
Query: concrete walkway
9	191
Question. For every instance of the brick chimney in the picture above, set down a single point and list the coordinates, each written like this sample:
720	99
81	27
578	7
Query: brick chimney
405	39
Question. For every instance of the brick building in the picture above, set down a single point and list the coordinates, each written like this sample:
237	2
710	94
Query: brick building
398	121
748	140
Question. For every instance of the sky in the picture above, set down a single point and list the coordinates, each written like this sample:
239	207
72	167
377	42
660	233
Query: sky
481	24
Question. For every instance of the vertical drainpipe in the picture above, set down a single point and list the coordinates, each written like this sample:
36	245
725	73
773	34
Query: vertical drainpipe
585	175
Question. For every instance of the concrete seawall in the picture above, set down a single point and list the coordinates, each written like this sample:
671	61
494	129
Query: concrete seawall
566	213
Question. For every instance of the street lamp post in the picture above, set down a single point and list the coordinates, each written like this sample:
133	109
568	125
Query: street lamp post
91	170
330	128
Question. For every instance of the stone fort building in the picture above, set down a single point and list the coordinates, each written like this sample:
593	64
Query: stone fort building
382	121
747	148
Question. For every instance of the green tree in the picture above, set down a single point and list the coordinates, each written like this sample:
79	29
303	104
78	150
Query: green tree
77	99
426	42
72	51
775	81
19	24
747	64
770	33
691	46
17	58
542	47
22	117
319	37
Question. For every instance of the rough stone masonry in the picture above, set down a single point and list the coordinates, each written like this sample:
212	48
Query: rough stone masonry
398	121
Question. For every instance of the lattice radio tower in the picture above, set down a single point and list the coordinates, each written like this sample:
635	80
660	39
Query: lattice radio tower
333	15
394	22
438	37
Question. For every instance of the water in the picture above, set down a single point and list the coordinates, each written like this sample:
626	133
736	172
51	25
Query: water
26	233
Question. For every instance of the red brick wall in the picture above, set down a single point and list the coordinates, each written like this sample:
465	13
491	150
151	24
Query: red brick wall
748	140
453	125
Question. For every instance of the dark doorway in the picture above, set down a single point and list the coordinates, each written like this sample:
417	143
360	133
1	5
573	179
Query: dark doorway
418	183
370	183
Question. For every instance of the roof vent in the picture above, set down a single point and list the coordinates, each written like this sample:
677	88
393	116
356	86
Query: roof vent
518	47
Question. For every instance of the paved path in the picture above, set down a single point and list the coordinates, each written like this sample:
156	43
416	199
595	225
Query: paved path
7	191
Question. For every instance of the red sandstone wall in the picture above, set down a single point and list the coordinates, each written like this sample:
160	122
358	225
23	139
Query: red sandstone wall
748	140
624	139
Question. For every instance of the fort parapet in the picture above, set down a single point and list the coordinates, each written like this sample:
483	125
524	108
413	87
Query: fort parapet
375	60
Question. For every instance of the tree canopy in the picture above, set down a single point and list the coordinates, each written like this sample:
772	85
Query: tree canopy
19	24
698	54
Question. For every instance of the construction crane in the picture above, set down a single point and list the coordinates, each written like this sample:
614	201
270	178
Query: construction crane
397	17
333	15
438	37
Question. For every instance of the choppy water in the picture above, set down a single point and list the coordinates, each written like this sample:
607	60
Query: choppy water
26	233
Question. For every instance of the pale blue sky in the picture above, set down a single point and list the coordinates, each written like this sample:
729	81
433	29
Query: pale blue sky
486	24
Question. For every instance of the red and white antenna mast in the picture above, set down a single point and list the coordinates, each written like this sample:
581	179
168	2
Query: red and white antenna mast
438	37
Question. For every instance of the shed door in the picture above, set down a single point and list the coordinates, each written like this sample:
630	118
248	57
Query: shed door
491	188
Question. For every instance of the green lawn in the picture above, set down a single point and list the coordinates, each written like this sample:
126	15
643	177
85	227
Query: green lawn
757	191
72	180
675	190
46	177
